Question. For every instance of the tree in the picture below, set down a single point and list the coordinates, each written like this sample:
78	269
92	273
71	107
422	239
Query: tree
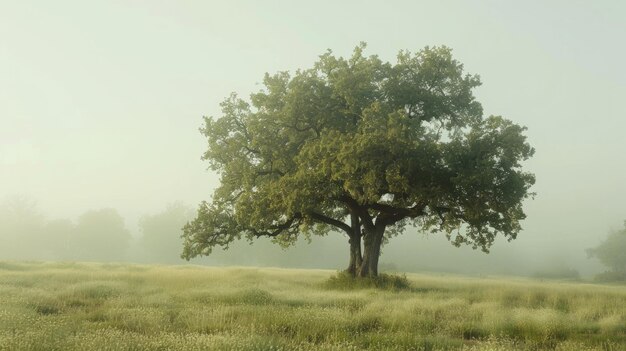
612	253
100	235
59	234
366	148
162	233
21	228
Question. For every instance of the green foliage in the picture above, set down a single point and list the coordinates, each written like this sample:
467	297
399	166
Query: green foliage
612	253
398	144
345	281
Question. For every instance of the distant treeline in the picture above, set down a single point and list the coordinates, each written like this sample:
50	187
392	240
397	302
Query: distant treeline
103	235
96	235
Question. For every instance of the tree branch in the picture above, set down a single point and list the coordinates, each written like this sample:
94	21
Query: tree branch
277	229
361	211
441	210
390	214
331	221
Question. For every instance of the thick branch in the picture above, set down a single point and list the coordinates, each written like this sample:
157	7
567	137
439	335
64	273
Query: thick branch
277	229
361	211
390	214
334	222
250	150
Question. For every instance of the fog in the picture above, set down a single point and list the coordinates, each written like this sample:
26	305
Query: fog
101	101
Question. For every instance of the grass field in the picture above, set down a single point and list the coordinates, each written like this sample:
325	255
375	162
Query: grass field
82	306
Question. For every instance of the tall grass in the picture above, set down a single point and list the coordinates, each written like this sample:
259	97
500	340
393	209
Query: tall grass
80	306
344	281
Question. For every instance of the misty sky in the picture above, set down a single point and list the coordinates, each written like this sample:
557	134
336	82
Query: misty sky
101	101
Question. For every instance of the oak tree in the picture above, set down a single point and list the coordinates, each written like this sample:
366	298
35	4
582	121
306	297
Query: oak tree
365	148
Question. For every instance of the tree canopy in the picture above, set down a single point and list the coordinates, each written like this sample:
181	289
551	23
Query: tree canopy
612	252
366	148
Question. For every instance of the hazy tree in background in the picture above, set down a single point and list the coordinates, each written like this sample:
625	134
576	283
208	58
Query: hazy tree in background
21	229
100	235
161	233
366	148
612	253
59	235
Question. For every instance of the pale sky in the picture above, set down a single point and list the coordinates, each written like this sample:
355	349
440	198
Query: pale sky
101	101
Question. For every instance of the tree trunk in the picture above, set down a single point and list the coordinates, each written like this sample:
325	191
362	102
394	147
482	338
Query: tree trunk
371	245
355	255
355	246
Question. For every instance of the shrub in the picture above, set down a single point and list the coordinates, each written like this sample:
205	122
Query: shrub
345	281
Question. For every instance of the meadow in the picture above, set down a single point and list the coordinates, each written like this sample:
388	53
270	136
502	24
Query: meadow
92	306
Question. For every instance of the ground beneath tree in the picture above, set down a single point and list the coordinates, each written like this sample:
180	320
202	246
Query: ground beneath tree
81	306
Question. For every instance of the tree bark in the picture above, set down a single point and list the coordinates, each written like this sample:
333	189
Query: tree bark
355	256
355	246
371	246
